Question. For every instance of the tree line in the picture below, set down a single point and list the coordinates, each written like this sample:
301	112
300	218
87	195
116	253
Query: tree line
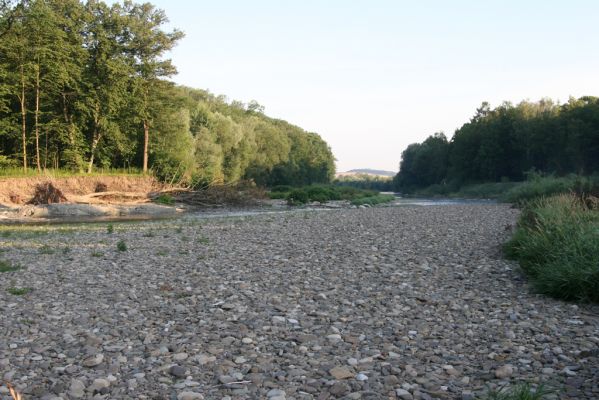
86	85
505	143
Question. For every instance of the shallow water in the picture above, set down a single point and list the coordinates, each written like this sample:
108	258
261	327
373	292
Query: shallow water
406	201
224	213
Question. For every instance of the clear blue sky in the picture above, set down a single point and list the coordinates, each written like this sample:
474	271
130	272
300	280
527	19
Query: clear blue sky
373	76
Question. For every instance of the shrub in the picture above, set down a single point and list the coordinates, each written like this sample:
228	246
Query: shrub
373	200
297	196
557	246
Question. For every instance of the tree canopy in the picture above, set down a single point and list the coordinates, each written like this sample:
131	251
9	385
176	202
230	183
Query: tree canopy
85	85
505	143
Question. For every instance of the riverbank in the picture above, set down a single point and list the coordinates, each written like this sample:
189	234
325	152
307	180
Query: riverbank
397	302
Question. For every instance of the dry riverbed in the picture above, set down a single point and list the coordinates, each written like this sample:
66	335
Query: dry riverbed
396	302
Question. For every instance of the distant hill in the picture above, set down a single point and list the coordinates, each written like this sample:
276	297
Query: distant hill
375	172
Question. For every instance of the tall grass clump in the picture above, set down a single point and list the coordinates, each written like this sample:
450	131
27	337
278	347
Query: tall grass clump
557	246
537	186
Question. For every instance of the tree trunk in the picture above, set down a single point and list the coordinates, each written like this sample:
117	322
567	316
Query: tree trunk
146	140
23	119
95	141
37	113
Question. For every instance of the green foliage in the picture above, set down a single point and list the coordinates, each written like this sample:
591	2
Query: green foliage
366	181
373	200
5	266
297	197
83	86
501	144
110	229
121	245
165	199
519	392
543	186
18	291
557	246
319	193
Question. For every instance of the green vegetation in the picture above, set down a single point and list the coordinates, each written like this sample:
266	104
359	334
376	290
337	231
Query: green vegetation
538	186
373	200
324	193
85	86
519	392
110	229
366	181
5	266
502	144
18	291
557	246
165	199
121	245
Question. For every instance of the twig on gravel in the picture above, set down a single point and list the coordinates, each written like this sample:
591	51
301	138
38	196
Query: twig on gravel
15	395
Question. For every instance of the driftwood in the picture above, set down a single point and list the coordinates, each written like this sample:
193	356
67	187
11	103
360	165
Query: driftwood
47	193
106	197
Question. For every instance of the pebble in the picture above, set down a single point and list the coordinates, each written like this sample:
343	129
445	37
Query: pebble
505	371
341	373
403	394
190	396
177	371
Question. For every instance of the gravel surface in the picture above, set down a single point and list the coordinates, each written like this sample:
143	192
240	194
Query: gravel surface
381	303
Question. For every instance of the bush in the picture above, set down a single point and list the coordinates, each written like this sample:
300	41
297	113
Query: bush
373	200
557	246
297	196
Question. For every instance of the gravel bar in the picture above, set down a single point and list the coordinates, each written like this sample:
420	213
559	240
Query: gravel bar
381	303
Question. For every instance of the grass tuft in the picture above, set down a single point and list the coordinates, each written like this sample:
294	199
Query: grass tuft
165	199
5	266
121	245
522	391
557	246
19	291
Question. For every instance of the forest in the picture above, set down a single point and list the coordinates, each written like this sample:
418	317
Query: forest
507	143
86	86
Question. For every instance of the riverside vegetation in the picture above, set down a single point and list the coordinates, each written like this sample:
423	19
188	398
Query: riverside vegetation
540	156
84	85
325	193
